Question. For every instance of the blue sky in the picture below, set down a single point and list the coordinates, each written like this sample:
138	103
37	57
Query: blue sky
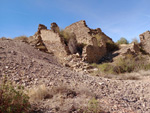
116	18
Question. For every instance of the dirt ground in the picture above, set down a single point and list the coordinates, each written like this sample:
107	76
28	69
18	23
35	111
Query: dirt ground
69	91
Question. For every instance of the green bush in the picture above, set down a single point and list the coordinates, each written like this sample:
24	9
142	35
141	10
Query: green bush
105	67
128	64
13	99
93	106
124	65
65	35
122	41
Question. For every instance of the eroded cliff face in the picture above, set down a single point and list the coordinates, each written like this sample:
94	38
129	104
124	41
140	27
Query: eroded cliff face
84	34
94	39
54	42
145	41
82	40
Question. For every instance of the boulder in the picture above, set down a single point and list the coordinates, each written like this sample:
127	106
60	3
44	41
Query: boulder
145	41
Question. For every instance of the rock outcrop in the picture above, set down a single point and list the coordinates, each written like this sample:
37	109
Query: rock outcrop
36	39
145	41
95	48
54	27
127	49
84	34
93	53
54	42
89	43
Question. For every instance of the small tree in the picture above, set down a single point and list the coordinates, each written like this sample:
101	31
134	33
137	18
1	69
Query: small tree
122	41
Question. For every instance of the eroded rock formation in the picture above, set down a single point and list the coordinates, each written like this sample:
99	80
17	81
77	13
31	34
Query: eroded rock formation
36	39
54	42
93	53
84	34
145	41
95	48
54	27
82	40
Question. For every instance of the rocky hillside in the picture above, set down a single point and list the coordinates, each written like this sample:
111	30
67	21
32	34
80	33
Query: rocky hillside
58	75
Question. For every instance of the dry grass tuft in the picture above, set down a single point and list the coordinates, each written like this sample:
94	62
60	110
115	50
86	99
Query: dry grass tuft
38	93
22	38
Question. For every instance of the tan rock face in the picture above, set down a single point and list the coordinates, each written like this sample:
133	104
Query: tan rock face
95	49
54	43
49	35
145	41
36	39
81	38
93	53
84	34
81	31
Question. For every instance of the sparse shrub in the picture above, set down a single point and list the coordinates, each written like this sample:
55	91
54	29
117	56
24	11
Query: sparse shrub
105	67
124	65
38	93
13	99
70	41
127	64
65	35
22	38
93	106
122	41
109	44
99	38
3	38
